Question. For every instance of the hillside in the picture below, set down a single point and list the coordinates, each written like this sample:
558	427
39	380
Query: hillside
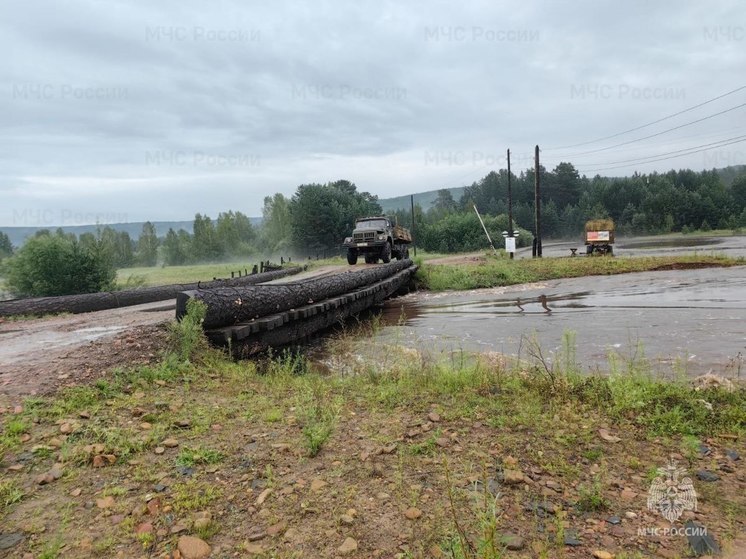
424	199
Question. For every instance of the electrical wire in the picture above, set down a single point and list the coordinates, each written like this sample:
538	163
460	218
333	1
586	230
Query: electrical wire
650	123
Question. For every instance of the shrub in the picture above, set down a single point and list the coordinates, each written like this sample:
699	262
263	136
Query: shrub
48	265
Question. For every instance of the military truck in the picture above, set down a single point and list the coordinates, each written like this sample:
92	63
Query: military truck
377	238
599	236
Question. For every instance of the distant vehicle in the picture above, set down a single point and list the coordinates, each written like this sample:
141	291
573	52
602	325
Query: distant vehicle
376	237
599	236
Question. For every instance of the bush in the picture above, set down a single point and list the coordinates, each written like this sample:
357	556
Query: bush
49	265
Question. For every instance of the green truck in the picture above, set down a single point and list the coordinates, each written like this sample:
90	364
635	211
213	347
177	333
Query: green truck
377	238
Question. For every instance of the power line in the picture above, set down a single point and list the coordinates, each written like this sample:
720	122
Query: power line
651	123
689	152
656	134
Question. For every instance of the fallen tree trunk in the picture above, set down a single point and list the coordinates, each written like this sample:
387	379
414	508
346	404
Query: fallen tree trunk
226	306
88	302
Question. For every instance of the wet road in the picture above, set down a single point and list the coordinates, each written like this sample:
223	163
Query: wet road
686	321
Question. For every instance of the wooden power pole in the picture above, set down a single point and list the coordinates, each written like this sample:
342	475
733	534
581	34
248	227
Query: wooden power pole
510	205
537	205
414	240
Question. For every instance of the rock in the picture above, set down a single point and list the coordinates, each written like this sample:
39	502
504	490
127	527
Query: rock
84	415
263	497
389	449
10	540
608	437
571	539
260	535
159	450
56	471
706	475
600	554
513	477
76	492
630	515
192	547
183	423
413	513
513	542
277	529
443	442
145	426
348	546
346	519
105	502
170	443
318	484
254	549
700	540
628	495
179	528
614	520
732	454
67	428
144	528
433	416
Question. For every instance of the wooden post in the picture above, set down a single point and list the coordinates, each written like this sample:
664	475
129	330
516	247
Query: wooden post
414	242
510	205
537	203
485	230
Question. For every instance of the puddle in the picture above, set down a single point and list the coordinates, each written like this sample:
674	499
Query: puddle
687	321
673	242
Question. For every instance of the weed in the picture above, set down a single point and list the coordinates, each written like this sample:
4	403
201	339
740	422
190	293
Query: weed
592	498
51	549
194	495
192	456
593	454
316	414
186	336
10	493
206	531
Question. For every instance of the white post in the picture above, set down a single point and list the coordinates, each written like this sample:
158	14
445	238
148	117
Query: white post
485	230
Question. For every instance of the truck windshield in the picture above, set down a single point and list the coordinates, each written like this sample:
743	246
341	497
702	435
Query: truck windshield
372	223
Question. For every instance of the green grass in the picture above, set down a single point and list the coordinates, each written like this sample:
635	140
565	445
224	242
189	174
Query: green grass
192	456
166	275
496	272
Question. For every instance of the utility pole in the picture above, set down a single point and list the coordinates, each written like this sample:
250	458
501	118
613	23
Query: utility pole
537	205
510	205
414	240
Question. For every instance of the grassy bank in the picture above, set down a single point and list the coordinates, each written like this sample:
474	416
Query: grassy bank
492	272
400	458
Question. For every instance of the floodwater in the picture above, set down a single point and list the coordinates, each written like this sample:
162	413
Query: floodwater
682	322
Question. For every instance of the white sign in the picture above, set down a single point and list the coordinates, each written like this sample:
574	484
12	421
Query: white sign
510	244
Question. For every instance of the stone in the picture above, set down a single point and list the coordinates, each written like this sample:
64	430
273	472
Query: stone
144	528
433	416
732	454
608	437
263	496
183	423
192	547
513	477
614	520
159	450
513	542
254	549
571	539
277	529
105	502
628	495
706	475
76	492
170	443
346	519
10	540
413	513
348	546
67	428
601	554
630	515
700	539
318	484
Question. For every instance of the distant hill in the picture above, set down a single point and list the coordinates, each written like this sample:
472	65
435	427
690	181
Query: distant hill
19	234
424	199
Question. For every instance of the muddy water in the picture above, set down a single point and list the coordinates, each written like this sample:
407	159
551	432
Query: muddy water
681	321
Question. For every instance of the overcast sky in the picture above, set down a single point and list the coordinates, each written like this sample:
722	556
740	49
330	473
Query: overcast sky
128	111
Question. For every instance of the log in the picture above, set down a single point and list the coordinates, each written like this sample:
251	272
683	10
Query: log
89	302
226	306
246	344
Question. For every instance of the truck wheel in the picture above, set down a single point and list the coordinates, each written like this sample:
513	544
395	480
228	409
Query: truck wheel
610	251
589	250
352	257
386	253
370	259
406	253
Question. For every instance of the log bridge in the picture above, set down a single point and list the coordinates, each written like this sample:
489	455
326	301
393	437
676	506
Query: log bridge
252	319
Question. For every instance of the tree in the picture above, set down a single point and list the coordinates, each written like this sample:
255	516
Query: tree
57	264
323	215
6	247
147	245
738	193
276	225
175	252
234	233
205	245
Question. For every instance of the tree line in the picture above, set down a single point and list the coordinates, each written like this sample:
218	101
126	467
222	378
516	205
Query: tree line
317	217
